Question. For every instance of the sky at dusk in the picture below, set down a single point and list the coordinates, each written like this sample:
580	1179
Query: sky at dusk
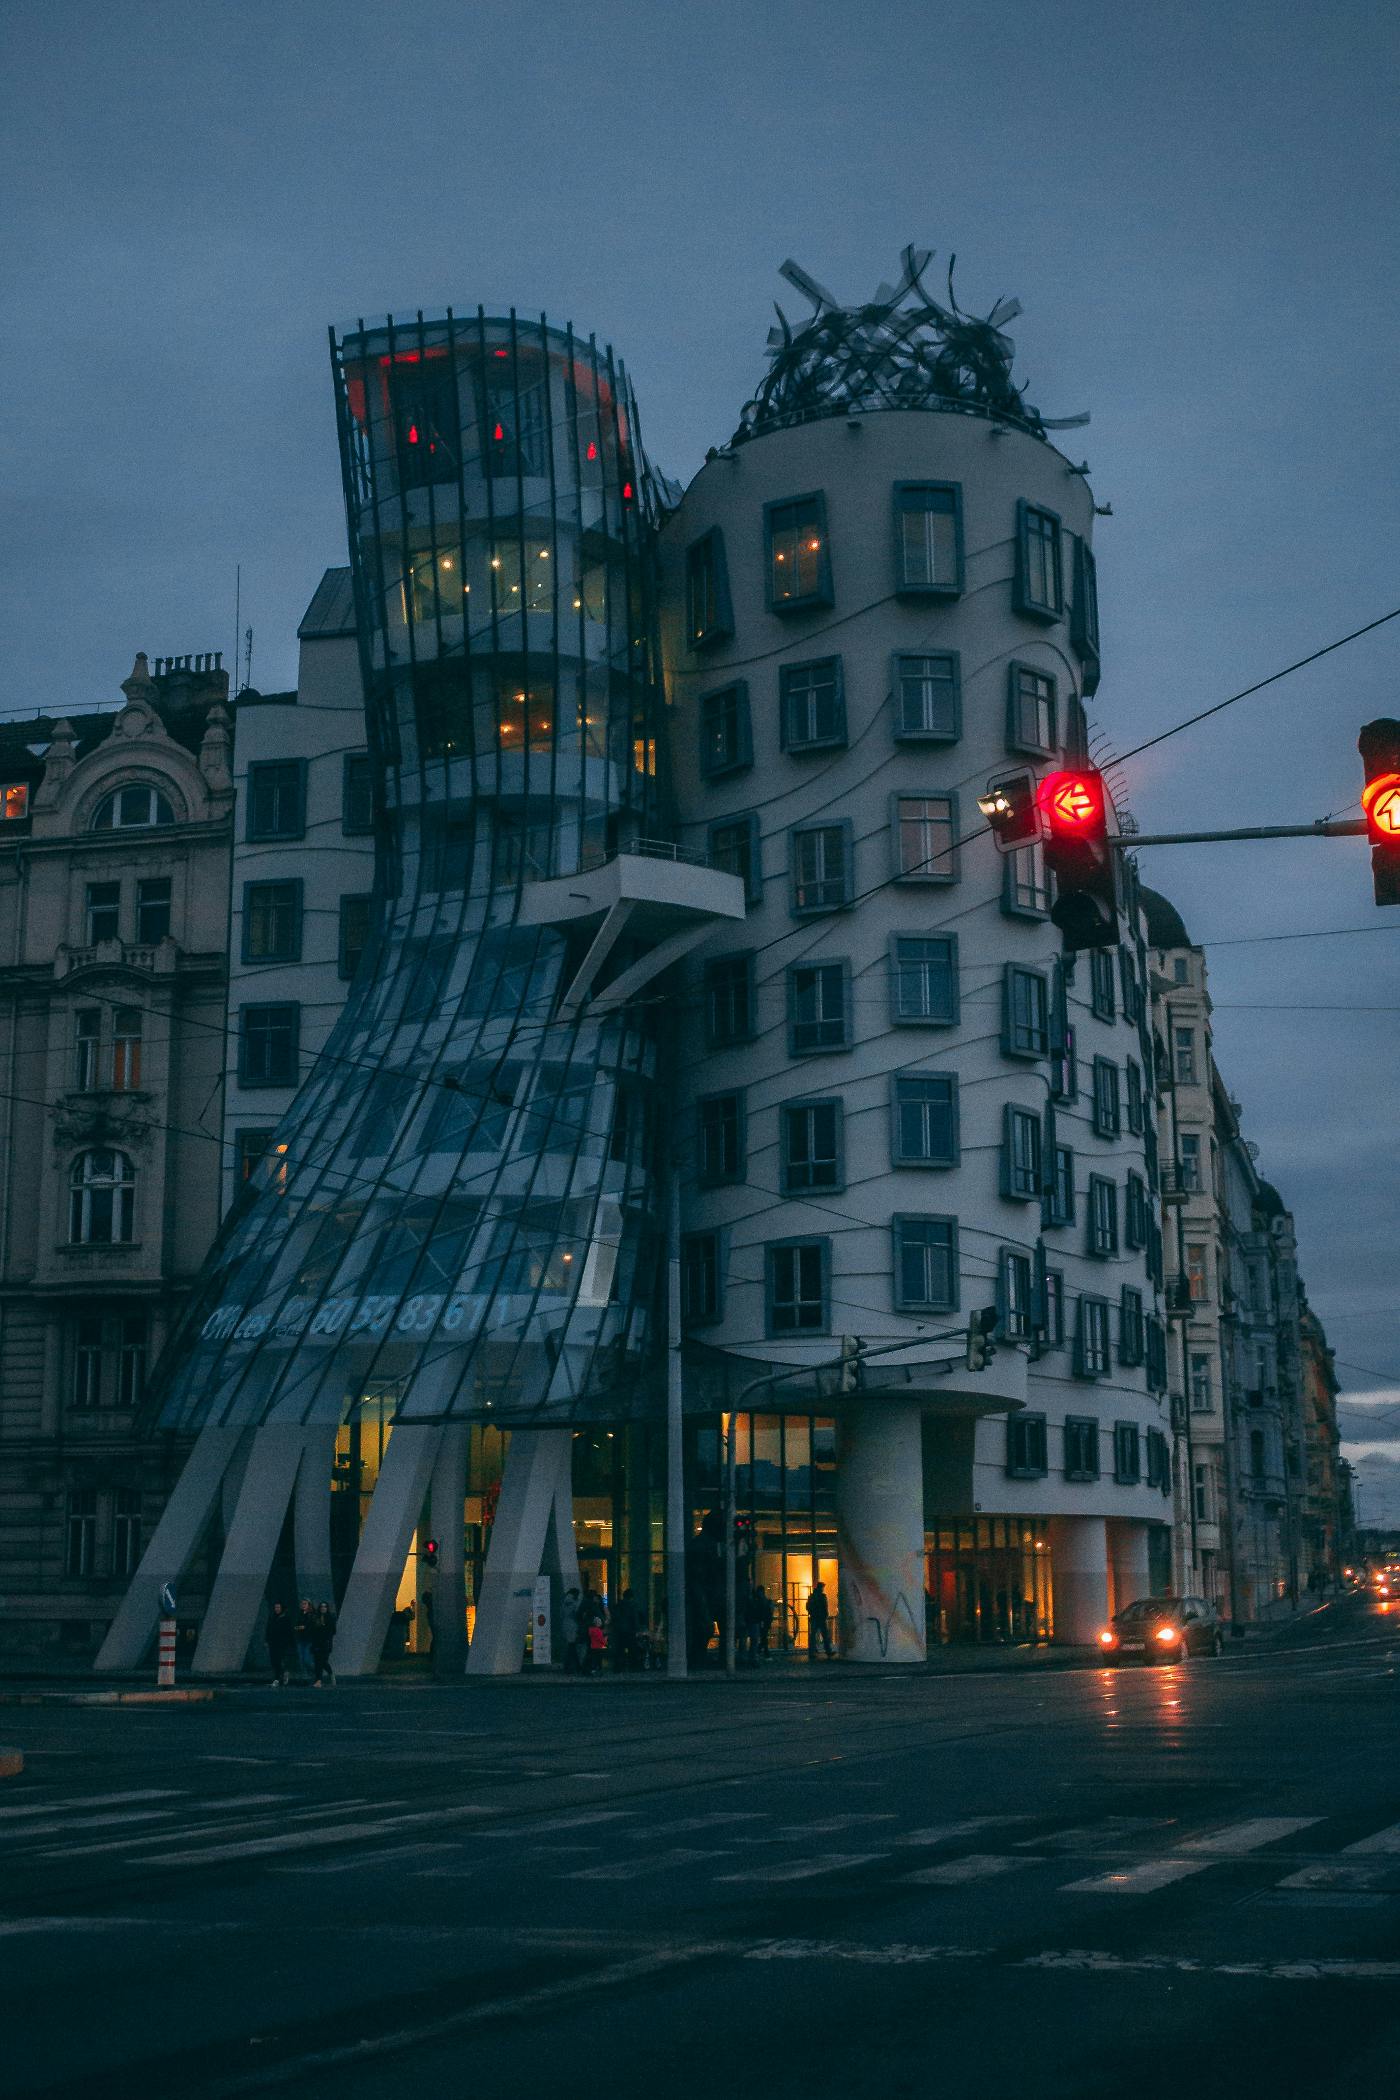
1194	202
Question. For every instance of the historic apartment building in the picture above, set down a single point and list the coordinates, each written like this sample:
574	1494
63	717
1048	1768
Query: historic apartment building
114	861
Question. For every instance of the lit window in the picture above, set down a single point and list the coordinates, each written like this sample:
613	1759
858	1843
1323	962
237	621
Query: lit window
799	570
102	1200
928	539
14	801
1197	1280
126	1049
131	808
928	698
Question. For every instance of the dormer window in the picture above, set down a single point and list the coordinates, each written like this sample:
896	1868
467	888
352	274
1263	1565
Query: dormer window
14	800
133	808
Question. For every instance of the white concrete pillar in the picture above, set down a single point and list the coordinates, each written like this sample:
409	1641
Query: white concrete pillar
1079	1569
536	1488
311	1515
1127	1545
446	1509
880	1533
173	1546
249	1549
394	1510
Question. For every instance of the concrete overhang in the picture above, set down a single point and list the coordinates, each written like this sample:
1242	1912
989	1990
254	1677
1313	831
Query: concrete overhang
661	903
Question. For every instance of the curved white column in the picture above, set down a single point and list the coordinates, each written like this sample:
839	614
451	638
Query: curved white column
880	1534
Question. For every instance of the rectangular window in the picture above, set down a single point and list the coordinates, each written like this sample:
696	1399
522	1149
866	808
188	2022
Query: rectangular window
708	615
1058	1208
1026	1447
126	1531
1132	1331
1032	718
1102	1216
268	1042
729	1000
352	935
726	738
1189	1147
1025	1024
80	1548
1202	1400
1197	1279
1107	1114
925	1264
126	1049
1127	971
734	848
1025	883
250	1147
818	1007
1081	1436
276	792
104	907
1101	989
798	558
924	978
356	795
811	1147
820	858
1040	588
798	1287
700	1279
925	1128
88	1031
131	1360
927	699
272	922
87	1361
812	706
1064	1064
926	838
152	909
1127	1454
14	801
1084	615
928	539
1136	1217
1054	1309
1091	1343
1200	1494
1135	1097
1020	1170
721	1134
1015	1304
1184	1055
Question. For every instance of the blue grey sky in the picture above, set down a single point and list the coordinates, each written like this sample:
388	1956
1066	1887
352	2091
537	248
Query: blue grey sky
1196	203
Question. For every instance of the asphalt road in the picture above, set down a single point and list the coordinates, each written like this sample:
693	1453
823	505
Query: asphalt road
1079	1882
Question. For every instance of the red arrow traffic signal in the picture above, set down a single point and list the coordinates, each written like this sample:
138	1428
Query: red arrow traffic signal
1073	803
1080	858
1379	745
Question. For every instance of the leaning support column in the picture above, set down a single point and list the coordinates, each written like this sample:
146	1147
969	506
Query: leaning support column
1079	1565
447	1498
1128	1548
880	1534
312	1515
249	1549
173	1546
539	1467
394	1510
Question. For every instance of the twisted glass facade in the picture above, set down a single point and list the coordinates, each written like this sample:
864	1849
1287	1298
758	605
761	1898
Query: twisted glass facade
455	1217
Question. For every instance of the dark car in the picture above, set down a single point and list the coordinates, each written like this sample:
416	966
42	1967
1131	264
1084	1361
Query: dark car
1162	1629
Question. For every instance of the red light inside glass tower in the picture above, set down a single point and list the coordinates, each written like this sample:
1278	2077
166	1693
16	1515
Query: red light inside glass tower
413	433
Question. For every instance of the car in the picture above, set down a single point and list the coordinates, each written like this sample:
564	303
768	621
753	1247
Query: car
1162	1629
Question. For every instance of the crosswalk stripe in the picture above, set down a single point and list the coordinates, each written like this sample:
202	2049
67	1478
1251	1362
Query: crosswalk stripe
125	1816
1387	1840
300	1840
944	1833
1088	1837
1248	1836
829	1826
82	1801
635	1869
1140	1880
1342	1874
973	1866
806	1869
712	1821
181	1833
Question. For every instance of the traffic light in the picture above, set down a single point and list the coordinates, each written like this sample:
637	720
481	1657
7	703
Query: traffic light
430	1553
1379	745
852	1349
980	1350
1012	813
1079	856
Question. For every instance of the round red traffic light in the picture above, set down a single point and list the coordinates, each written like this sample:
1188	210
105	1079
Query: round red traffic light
1073	802
1380	799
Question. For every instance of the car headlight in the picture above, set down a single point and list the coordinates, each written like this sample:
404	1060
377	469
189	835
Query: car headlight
1108	1638
1167	1635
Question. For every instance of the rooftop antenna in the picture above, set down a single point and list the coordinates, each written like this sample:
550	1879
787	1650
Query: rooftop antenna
247	658
237	616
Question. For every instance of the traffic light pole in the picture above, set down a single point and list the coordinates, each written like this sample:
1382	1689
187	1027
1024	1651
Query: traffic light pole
1324	828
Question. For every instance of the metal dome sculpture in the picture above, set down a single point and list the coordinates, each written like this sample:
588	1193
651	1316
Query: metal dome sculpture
900	350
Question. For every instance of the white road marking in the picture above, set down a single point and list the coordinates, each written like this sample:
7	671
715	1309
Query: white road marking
829	1826
973	1866
1140	1880
634	1869
806	1869
943	1833
364	1859
126	1816
1239	1838
1341	1874
1379	1841
582	1821
1084	1959
301	1840
181	1833
82	1801
1094	1837
712	1821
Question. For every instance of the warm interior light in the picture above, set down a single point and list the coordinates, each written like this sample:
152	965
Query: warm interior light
813	545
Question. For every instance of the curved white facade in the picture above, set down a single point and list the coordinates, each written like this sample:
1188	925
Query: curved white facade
907	734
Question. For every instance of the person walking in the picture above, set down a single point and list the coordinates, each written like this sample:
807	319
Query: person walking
279	1643
322	1641
762	1622
301	1632
595	1633
819	1623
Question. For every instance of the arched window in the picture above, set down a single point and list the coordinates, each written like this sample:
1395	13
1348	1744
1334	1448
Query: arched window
132	807
102	1199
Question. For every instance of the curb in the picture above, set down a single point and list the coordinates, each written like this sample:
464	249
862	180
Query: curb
175	1698
11	1763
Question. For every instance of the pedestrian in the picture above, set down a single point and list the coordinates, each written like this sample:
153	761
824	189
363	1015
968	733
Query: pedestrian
595	1633
568	1630
762	1621
279	1643
819	1623
301	1631
322	1641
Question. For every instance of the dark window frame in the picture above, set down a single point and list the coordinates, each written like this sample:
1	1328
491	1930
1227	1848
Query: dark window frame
787	1184
714	621
711	1311
900	1224
346	961
1016	739
1080	1434
752	874
776	1250
353	785
796	1048
1101	1218
739	757
897	964
821	593
1020	1185
742	961
259	772
1093	1348
932	870
788	674
1046	610
843	829
922	734
246	1014
725	1176
902	491
1037	1034
291	952
1027	1447
1127	1454
900	1156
